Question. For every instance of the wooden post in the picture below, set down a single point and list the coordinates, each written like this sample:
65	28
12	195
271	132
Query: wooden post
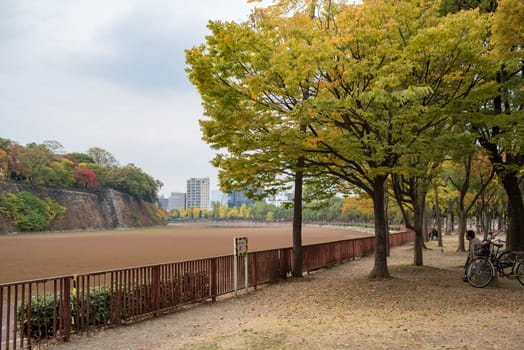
156	290
66	310
214	285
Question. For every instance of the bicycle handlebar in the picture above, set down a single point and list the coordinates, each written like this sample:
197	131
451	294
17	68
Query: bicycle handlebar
498	243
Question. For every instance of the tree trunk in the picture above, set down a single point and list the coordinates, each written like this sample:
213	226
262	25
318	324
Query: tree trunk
452	222
463	219
297	221
515	234
420	227
439	219
386	219
380	269
449	217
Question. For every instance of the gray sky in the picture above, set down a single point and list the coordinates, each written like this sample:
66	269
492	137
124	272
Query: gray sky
109	74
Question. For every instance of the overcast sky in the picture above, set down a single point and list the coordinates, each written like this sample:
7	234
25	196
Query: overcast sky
109	74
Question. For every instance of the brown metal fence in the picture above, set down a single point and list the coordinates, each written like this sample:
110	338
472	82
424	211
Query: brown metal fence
33	312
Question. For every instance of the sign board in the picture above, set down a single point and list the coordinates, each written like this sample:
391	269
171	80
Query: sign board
241	246
240	249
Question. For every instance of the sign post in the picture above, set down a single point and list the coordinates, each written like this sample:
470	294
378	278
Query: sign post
240	249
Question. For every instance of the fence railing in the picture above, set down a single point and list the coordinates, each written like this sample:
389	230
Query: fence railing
36	311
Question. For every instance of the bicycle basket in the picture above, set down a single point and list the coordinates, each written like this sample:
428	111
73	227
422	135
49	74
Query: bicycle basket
483	250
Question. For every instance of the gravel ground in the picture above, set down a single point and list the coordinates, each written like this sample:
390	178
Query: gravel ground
427	307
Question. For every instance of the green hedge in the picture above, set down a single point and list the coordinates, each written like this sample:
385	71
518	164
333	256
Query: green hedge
43	308
28	212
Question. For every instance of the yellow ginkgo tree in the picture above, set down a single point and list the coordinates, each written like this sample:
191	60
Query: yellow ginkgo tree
350	94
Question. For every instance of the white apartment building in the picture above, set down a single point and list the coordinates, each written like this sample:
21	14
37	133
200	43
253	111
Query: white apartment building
197	195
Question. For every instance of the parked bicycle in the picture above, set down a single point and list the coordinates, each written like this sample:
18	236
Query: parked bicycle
481	270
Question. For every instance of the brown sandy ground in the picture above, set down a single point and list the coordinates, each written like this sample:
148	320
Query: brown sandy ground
426	307
38	255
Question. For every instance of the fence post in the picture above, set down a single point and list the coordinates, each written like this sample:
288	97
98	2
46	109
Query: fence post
285	256
156	290
253	272
66	311
214	286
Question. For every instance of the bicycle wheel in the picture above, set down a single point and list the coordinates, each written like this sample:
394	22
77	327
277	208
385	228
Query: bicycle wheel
479	272
505	261
519	271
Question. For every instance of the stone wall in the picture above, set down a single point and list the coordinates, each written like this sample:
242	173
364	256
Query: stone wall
86	210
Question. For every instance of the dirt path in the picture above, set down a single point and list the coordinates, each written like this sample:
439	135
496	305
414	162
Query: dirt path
426	307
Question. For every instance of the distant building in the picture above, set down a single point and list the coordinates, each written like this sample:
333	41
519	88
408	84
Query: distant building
236	199
280	198
197	193
218	196
177	200
163	202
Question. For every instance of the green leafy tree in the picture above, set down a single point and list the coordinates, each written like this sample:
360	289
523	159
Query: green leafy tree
392	85
488	206
259	210
347	94
132	180
247	97
39	165
498	115
454	6
5	144
77	157
501	123
59	173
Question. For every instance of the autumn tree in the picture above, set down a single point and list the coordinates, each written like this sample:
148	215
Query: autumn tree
36	160
4	157
498	116
357	208
395	79
253	91
490	204
454	6
85	177
501	121
3	163
349	95
469	185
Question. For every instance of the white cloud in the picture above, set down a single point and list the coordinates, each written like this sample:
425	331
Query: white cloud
110	74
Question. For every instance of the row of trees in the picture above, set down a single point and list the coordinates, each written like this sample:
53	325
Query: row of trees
47	164
462	193
368	98
329	211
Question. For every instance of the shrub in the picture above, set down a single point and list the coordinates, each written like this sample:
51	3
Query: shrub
137	221
28	212
185	288
44	308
